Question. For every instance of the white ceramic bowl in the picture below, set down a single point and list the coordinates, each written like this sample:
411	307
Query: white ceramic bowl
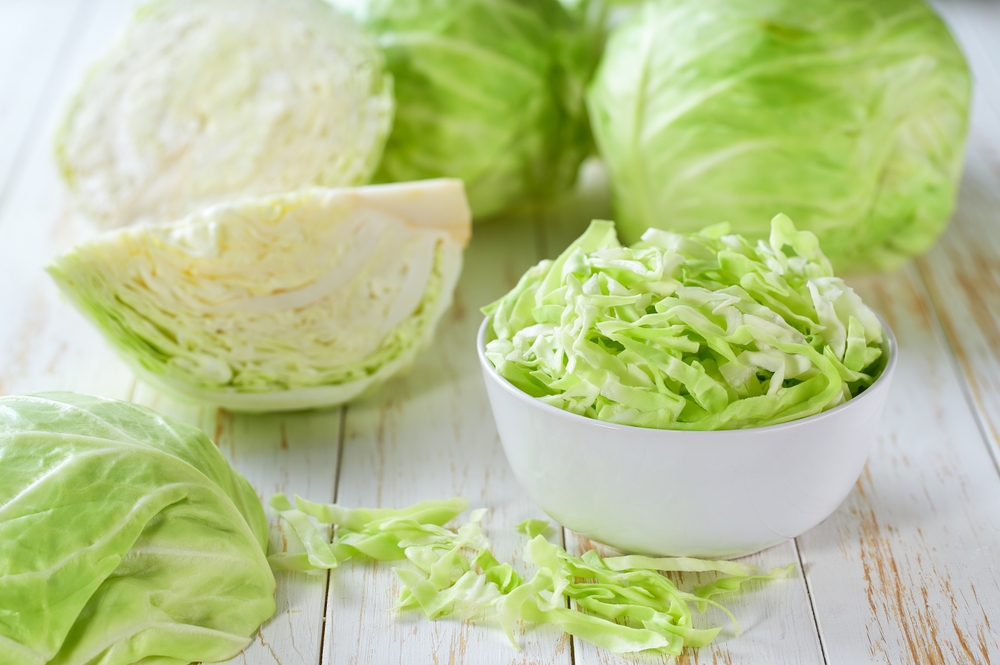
667	492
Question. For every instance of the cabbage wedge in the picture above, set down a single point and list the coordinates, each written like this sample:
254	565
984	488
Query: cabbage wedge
290	302
204	101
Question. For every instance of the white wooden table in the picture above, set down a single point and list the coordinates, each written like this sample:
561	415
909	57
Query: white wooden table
906	571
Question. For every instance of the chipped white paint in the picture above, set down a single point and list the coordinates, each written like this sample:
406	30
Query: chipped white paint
905	572
962	272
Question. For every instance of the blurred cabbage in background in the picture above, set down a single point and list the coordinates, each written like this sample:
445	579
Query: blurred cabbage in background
203	101
850	116
489	91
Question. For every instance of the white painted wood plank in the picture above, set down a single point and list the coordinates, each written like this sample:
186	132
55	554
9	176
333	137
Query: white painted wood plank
962	272
44	343
906	571
294	453
430	435
33	36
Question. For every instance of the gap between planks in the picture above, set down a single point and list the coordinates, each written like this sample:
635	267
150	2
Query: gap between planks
948	336
336	489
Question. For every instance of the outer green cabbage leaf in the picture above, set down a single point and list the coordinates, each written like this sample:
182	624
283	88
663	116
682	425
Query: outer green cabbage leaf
203	101
123	536
489	91
849	115
699	332
289	302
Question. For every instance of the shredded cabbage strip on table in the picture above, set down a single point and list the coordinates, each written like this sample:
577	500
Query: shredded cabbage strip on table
696	332
622	603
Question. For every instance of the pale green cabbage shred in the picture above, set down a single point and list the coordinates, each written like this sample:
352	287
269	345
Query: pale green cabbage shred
622	603
695	332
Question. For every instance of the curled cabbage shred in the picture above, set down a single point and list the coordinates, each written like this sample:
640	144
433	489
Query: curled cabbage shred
287	302
125	537
848	115
489	91
204	101
624	604
695	332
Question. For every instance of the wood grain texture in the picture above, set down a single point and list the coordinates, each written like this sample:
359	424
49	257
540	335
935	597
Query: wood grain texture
962	273
292	453
906	570
430	435
44	343
34	37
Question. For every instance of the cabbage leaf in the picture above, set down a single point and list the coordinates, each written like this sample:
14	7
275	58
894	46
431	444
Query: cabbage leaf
124	536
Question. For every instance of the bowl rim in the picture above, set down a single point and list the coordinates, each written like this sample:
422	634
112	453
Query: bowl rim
888	342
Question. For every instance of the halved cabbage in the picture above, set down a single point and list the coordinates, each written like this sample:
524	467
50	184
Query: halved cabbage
203	101
290	302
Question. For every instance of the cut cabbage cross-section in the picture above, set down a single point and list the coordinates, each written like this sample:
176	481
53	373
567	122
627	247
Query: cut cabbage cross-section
204	101
288	302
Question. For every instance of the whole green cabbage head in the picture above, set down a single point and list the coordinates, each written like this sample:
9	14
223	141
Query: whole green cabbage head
204	101
278	303
848	115
124	537
489	91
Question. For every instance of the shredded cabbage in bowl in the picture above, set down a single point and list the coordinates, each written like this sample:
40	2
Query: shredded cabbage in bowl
695	332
